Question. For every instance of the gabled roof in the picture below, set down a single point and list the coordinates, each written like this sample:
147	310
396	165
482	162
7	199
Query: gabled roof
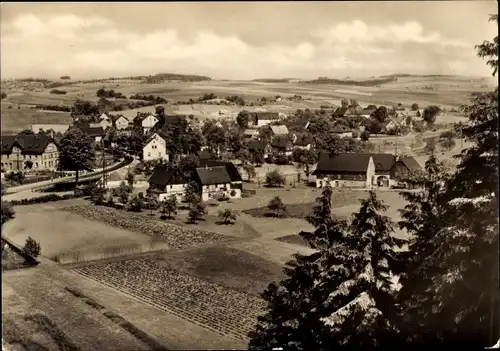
204	155
213	175
266	116
230	167
29	144
115	118
91	131
349	163
164	175
282	142
303	139
280	130
411	163
257	145
297	124
152	137
340	111
353	163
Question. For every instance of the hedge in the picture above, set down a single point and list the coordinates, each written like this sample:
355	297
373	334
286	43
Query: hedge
44	199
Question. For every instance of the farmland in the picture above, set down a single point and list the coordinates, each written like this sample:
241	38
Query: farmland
448	92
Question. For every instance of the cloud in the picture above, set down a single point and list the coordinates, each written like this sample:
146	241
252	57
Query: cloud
95	46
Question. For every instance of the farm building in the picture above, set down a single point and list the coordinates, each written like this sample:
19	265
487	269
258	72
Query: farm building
260	119
280	130
281	145
363	170
26	152
214	181
260	145
95	132
167	181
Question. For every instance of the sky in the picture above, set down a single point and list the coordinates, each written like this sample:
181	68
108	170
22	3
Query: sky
238	40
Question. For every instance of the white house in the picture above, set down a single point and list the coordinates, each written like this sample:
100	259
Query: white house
120	122
213	181
260	119
104	116
155	148
148	122
167	182
105	123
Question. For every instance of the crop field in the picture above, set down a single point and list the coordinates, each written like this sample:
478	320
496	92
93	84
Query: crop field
14	119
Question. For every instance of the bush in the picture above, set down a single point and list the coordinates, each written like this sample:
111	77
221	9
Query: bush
44	199
232	193
274	179
32	248
277	206
228	216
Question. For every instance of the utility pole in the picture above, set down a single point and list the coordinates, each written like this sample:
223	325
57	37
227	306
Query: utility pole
103	165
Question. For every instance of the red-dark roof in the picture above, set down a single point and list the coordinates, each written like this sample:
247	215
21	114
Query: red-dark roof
353	163
411	163
212	175
163	175
91	131
257	145
230	167
28	144
280	142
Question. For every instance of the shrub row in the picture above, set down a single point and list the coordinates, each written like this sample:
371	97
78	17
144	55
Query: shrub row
44	199
175	236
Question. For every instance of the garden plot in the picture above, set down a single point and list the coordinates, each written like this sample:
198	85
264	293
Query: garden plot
215	307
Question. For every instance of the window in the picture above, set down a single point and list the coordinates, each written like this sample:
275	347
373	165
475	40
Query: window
159	154
36	164
149	154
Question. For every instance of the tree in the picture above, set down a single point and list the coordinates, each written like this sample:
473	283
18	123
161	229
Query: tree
430	114
380	114
130	178
191	192
196	210
274	179
168	206
363	303
26	132
344	103
4	95
373	126
250	171
295	305
188	163
123	192
365	136
257	156
305	158
8	212
228	216
234	141
277	206
97	195
414	107
135	203
152	202
242	119
32	248
214	135
76	152
459	298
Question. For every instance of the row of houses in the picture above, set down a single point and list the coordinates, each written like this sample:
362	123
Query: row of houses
212	177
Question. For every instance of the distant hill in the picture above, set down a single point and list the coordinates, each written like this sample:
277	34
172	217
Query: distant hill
365	83
407	75
273	80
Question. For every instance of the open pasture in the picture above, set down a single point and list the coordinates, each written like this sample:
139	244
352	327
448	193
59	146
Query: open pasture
15	120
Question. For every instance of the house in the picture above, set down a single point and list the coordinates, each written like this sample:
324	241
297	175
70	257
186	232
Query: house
234	174
95	132
281	145
350	170
280	130
104	116
146	121
342	131
155	148
355	170
213	181
24	152
404	166
105	123
302	140
297	126
340	112
250	133
366	112
260	145
167	181
259	119
120	122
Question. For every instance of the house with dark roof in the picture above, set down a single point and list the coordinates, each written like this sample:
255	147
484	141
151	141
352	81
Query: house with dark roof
340	112
29	152
403	168
260	119
297	126
234	174
302	140
349	170
95	132
214	180
281	145
167	181
120	122
146	121
357	170
261	146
